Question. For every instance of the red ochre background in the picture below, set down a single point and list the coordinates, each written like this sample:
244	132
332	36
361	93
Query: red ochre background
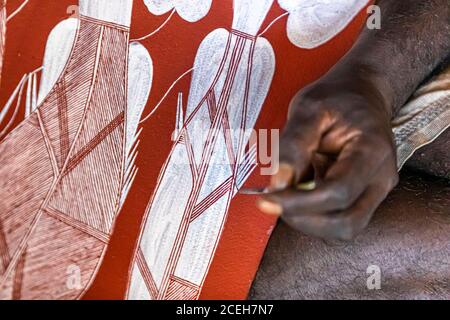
173	51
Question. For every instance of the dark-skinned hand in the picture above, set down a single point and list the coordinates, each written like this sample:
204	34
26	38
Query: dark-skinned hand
340	125
344	123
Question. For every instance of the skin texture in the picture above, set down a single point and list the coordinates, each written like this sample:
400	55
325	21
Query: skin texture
434	158
411	247
340	125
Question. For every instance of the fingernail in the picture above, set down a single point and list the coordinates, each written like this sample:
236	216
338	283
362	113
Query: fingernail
270	208
283	178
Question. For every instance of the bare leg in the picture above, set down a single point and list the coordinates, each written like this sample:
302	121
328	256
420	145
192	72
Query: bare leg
412	248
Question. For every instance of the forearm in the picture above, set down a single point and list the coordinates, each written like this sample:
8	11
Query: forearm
392	61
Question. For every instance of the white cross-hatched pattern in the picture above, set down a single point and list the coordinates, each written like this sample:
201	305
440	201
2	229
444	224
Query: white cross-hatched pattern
67	167
232	75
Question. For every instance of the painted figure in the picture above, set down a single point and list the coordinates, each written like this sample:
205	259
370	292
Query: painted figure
65	170
209	161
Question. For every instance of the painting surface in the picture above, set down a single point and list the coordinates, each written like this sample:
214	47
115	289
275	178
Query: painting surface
233	260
